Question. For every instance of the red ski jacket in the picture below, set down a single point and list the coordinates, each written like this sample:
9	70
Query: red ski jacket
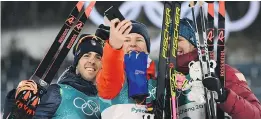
241	103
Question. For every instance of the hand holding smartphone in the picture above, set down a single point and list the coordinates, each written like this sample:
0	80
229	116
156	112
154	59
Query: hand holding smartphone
118	28
113	13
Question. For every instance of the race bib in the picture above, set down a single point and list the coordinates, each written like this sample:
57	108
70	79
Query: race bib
192	110
126	111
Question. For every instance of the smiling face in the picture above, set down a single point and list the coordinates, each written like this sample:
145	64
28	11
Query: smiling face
184	46
89	65
134	42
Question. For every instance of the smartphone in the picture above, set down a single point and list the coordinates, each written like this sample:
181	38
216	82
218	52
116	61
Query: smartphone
113	13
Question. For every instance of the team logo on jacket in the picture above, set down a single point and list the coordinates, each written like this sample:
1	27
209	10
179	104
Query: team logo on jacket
88	107
152	92
139	72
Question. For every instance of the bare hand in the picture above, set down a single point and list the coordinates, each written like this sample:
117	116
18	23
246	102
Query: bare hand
118	33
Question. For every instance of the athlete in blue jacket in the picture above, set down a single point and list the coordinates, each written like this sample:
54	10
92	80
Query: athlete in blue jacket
75	94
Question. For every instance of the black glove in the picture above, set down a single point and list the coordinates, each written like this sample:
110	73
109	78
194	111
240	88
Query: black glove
213	84
103	32
25	98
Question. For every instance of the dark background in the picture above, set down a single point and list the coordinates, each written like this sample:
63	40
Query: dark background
20	57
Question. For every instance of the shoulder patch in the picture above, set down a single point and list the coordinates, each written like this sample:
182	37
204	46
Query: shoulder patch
240	77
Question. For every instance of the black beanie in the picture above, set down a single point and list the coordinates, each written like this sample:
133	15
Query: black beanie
87	43
141	29
103	32
186	30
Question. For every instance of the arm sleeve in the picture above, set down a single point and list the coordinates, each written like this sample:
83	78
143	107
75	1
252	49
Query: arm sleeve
241	103
49	103
111	77
9	103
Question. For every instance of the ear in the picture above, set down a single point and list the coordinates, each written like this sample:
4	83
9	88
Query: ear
76	70
191	63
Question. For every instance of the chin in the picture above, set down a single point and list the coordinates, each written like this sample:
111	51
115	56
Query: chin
89	76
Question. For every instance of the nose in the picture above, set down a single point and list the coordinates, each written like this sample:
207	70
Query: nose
133	43
179	44
91	60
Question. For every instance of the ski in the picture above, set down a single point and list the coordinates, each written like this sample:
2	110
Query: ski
210	30
167	40
70	20
173	43
159	108
209	70
220	69
22	104
203	62
192	4
166	105
203	25
52	70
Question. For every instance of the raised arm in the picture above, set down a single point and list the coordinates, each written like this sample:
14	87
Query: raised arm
111	77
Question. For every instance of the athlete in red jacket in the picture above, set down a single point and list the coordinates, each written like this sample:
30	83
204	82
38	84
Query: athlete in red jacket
237	100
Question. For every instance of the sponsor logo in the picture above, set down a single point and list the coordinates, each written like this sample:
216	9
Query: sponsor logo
137	110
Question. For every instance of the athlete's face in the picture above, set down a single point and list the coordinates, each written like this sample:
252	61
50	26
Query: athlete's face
89	65
134	42
184	46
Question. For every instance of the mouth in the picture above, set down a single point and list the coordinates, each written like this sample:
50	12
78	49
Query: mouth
90	69
137	49
132	51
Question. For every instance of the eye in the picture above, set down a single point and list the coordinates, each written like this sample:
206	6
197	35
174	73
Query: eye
127	40
98	57
86	55
140	40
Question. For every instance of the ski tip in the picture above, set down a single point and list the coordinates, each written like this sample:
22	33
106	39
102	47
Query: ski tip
79	5
192	3
222	9
87	4
211	9
89	8
174	2
201	3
